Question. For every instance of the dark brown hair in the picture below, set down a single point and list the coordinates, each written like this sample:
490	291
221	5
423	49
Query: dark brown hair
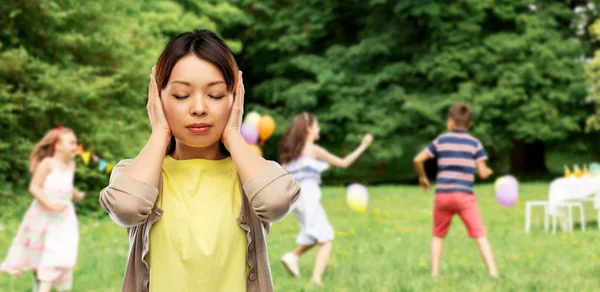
205	45
46	146
460	114
293	142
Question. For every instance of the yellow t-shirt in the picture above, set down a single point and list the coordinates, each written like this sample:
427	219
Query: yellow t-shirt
197	245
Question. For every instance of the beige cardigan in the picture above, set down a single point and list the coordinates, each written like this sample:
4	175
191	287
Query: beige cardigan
267	197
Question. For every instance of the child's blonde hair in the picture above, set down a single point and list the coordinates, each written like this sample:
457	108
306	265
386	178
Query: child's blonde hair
45	147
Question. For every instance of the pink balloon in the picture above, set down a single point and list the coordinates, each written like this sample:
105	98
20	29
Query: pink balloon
250	133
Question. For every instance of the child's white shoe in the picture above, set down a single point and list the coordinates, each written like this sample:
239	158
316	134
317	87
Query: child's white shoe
290	262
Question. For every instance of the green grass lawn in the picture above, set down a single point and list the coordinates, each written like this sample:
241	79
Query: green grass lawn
386	249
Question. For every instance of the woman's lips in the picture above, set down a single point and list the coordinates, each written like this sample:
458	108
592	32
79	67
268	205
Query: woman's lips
199	128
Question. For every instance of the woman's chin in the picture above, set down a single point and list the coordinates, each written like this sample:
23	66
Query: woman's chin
199	142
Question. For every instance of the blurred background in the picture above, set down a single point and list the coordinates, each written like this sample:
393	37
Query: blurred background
527	68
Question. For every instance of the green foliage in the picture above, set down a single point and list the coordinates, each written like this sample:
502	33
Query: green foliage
593	76
391	68
85	64
394	68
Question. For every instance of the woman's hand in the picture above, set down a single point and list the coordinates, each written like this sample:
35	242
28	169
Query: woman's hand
155	110
232	129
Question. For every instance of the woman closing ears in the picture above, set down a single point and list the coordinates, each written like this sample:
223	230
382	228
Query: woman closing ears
197	200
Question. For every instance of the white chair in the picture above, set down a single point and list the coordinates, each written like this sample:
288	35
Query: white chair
569	206
528	206
592	200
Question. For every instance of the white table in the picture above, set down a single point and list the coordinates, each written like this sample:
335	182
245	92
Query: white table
573	189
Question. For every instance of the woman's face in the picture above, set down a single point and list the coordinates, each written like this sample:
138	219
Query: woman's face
196	102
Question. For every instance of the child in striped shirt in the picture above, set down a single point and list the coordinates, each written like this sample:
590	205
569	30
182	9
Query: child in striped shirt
459	156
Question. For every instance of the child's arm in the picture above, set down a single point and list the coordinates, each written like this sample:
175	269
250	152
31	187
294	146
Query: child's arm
78	195
35	186
345	162
419	161
481	158
483	170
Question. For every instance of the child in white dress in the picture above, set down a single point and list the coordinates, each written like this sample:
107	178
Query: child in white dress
305	161
48	238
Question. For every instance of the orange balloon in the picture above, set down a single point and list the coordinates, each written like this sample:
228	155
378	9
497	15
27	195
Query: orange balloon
266	127
256	149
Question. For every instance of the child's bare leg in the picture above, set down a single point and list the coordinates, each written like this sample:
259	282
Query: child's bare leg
321	261
36	283
45	286
437	244
301	249
486	253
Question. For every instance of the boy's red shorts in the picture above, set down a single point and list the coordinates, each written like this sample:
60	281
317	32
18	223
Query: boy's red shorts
465	205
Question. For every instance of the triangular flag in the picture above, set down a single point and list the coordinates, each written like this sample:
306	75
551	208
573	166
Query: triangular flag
102	165
109	167
79	149
86	157
95	157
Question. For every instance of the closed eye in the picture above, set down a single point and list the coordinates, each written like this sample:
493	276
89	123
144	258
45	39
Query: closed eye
216	97
180	97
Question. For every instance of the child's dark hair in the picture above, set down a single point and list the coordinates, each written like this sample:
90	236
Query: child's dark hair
460	114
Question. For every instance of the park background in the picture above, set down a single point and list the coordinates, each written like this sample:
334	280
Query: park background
528	69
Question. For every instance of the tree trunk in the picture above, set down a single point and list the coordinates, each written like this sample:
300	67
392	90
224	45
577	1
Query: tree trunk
528	158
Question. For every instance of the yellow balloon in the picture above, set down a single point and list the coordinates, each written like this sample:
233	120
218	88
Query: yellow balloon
266	127
498	182
253	118
256	149
357	201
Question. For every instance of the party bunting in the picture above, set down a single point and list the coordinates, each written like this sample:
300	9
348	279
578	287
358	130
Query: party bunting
102	165
86	157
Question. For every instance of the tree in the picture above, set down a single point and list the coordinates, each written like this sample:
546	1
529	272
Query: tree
85	65
593	76
394	68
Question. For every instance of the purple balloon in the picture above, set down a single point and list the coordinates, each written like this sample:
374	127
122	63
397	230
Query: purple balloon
507	192
359	188
250	133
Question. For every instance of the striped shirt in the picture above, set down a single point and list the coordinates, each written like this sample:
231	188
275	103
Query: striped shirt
457	153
